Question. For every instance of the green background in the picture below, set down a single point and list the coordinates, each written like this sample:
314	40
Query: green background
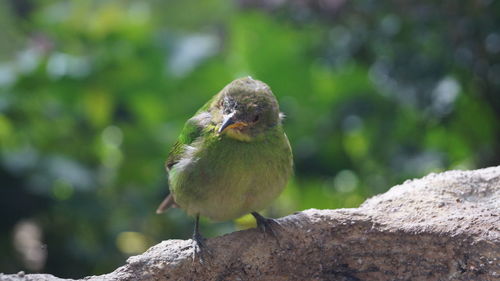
94	93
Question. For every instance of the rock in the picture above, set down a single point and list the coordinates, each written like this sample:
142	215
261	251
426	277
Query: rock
441	227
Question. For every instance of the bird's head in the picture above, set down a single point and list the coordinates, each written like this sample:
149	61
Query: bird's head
247	109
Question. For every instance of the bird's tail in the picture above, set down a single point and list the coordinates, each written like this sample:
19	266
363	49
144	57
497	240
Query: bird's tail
167	203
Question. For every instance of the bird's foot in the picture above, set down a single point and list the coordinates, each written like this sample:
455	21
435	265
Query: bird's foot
200	249
267	225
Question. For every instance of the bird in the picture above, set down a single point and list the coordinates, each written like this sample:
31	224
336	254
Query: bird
232	157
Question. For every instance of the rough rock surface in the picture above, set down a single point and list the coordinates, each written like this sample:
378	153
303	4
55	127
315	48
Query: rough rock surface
441	227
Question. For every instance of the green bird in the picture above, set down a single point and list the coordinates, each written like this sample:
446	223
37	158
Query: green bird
232	157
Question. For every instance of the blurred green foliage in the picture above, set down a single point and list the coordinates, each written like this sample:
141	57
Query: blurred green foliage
94	93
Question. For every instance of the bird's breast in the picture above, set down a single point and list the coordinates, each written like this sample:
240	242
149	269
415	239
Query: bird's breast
226	178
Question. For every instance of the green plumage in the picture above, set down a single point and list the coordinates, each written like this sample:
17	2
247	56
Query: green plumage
232	157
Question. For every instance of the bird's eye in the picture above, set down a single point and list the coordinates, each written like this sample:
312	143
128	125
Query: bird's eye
256	118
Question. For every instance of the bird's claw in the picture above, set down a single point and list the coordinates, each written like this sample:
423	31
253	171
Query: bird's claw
200	249
267	225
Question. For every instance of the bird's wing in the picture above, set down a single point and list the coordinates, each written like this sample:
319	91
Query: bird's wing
188	135
192	130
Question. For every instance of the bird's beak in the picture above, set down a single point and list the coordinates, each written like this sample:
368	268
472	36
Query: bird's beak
230	122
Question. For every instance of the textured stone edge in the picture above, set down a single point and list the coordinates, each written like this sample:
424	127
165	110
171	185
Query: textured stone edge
452	218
